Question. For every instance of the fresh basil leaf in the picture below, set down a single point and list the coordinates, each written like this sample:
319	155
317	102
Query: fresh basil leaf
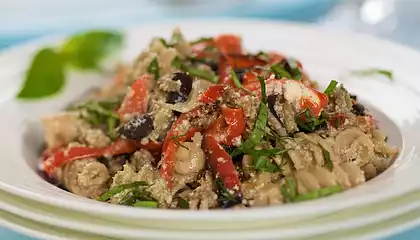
146	204
374	71
113	191
87	50
154	68
287	68
331	87
45	76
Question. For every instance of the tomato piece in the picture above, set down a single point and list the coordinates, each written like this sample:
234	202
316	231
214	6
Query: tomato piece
136	99
244	61
235	119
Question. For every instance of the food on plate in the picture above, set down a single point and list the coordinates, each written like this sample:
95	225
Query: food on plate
205	124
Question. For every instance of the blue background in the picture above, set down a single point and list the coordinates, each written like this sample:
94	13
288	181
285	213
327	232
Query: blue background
298	10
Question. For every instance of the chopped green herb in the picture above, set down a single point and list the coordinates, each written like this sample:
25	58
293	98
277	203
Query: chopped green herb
318	193
163	41
289	190
327	158
280	72
146	204
177	142
373	71
112	123
288	69
200	40
235	79
262	54
223	193
262	163
307	122
331	87
113	191
207	75
294	69
182	203
258	132
154	68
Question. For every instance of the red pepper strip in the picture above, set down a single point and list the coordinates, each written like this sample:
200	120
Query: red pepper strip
68	155
49	152
212	94
221	162
228	44
244	61
235	119
228	126
137	99
170	147
120	146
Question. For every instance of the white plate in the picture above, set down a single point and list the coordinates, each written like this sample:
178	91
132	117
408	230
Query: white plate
325	55
345	219
370	231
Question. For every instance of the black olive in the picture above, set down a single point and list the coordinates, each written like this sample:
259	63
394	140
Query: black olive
137	128
358	109
354	97
184	90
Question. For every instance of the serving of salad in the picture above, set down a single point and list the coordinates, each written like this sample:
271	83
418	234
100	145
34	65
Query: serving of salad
205	124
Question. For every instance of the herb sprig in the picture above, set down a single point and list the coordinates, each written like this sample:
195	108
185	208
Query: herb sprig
289	191
372	72
207	75
46	75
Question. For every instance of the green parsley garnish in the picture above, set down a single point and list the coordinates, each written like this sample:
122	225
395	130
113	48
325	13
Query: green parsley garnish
373	71
177	142
46	75
207	75
288	69
331	87
289	189
113	191
154	68
307	122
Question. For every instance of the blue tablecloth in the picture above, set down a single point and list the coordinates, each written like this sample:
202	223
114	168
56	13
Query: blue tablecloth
303	10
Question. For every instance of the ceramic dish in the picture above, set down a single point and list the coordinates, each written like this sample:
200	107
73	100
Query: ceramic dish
345	219
326	56
370	231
